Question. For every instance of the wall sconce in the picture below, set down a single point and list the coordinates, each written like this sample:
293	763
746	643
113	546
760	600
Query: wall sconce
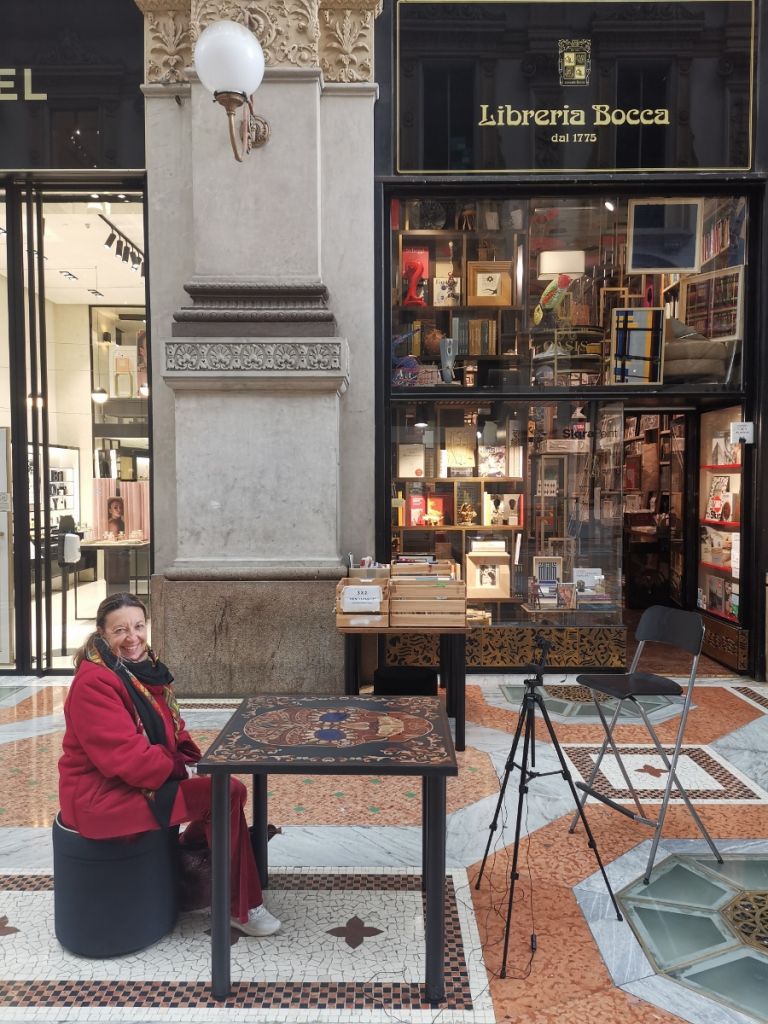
143	390
229	62
99	396
554	262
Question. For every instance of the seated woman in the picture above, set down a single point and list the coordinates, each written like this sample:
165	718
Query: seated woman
128	762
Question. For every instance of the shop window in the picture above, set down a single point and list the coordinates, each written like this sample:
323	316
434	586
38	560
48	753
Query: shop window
515	295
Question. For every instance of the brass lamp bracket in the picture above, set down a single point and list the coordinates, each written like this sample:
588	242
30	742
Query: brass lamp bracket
253	130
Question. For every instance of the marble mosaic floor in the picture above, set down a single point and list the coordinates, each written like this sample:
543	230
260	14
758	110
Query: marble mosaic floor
346	883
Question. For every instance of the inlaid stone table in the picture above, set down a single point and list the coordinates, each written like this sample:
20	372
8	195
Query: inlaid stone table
300	735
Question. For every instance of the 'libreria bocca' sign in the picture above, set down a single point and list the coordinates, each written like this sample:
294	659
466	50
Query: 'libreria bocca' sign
584	85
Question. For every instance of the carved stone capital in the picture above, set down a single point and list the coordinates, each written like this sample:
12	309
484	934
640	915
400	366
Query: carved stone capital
334	35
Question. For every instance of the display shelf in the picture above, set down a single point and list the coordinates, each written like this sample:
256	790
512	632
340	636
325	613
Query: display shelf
731	467
725	525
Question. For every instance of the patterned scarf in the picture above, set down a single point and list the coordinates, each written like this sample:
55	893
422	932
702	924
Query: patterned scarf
147	712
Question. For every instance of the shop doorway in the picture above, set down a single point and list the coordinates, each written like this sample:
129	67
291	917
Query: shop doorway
654	487
75	412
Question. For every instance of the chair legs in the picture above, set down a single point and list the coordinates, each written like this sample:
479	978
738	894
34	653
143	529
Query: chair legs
672	779
671	766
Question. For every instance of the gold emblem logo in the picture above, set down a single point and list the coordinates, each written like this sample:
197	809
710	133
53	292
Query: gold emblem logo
574	61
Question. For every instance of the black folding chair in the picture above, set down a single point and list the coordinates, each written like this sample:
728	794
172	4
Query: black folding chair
675	628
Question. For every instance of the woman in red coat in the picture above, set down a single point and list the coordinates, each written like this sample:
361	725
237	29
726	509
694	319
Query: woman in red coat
128	762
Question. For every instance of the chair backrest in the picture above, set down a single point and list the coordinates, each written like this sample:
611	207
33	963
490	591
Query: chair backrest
671	626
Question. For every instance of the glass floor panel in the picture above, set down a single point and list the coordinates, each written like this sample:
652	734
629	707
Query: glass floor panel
740	978
702	924
678	883
745	873
674	937
581	710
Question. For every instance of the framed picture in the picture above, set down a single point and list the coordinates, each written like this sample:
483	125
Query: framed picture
664	236
710	304
489	283
547	568
566	595
487	574
637	354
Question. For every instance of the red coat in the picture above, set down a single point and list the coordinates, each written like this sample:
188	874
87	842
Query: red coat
108	760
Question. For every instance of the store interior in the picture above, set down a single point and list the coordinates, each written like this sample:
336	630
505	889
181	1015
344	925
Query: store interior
563	511
88	453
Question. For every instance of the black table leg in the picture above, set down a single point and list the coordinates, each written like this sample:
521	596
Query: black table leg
445	654
459	683
259	837
220	853
424	801
447	673
352	645
435	872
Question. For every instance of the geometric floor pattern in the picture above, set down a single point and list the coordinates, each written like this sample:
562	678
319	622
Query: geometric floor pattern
345	881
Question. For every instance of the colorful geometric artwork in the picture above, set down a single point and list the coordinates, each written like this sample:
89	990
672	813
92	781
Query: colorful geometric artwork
636	345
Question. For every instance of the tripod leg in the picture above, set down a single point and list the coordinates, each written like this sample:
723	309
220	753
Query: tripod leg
500	802
521	791
579	809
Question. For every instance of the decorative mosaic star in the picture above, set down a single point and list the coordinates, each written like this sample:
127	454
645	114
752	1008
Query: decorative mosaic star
648	769
354	931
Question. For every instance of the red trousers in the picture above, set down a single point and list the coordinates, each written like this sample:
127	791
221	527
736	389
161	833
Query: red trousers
193	804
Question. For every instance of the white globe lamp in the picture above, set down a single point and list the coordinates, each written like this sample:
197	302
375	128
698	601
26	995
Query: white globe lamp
229	62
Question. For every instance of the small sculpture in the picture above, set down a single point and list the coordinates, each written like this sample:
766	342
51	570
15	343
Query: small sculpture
466	513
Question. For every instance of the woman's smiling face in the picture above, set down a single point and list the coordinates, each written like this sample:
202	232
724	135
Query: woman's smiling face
125	630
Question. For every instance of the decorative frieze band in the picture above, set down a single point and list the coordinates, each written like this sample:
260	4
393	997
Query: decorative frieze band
334	35
295	356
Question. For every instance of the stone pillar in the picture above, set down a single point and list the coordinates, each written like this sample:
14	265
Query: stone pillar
261	289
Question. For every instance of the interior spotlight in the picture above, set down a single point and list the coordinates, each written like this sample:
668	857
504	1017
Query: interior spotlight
119	247
99	396
609	205
110	239
481	421
126	253
142	268
143	390
422	416
106	337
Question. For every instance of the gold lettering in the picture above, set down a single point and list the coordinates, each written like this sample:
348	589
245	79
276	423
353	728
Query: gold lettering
602	116
662	115
7	83
646	117
577	117
485	121
28	93
544	117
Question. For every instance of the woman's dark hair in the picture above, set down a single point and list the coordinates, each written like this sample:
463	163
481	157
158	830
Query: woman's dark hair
109	604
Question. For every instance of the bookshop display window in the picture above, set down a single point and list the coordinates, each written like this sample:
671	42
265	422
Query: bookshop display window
580	292
526	498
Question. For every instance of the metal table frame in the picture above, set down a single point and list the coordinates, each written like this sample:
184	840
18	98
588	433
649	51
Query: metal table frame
433	777
453	664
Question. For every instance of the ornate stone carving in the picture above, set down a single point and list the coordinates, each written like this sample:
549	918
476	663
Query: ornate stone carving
167	47
335	35
215	356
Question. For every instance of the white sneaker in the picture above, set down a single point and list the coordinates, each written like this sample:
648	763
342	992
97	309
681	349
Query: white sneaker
260	923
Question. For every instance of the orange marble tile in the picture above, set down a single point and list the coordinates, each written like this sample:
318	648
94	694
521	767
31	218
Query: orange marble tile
30	781
717	712
606	1006
45	701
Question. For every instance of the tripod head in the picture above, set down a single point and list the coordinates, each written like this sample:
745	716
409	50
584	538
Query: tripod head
543	646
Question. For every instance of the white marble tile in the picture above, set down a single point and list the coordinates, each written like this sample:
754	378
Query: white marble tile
747	750
11	732
25	850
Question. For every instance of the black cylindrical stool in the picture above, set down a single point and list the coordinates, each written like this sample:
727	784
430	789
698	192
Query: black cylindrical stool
113	896
405	681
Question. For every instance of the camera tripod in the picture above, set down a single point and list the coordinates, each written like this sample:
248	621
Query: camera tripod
526	726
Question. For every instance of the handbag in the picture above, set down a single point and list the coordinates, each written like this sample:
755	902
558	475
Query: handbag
194	877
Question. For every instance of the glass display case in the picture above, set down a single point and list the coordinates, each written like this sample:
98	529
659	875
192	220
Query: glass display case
720	481
526	498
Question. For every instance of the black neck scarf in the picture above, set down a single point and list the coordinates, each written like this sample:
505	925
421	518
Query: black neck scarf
152	673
